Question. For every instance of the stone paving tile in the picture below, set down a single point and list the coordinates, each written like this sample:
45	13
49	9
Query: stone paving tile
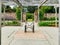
30	35
29	42
43	36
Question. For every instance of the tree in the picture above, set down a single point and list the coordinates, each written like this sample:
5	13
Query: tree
45	9
8	9
48	9
31	9
14	9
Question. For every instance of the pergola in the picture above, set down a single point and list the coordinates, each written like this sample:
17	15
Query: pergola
39	3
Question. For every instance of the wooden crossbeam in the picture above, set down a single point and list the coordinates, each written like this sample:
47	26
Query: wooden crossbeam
18	3
43	3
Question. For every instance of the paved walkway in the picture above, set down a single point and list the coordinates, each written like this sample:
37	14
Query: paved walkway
42	36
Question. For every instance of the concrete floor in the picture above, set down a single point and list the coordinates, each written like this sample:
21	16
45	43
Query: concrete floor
42	36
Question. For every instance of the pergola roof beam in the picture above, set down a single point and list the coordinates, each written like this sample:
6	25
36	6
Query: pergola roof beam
18	3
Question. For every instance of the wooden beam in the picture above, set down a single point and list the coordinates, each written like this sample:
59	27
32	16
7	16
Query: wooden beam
18	3
43	3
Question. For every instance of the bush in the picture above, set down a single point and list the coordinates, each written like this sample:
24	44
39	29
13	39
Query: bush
8	23
41	15
46	23
31	9
13	23
45	18
29	16
43	24
57	18
52	18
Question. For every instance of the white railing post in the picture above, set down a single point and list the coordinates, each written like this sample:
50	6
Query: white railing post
21	17
59	21
59	13
38	14
0	21
4	16
55	15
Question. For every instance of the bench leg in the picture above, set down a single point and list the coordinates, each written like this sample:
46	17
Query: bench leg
25	28
33	28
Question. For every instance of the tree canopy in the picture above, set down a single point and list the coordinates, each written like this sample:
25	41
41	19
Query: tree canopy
31	9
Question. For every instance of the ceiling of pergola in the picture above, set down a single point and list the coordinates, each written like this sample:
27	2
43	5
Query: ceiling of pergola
29	2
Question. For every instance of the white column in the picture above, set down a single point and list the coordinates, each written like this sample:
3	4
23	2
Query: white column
0	21
59	22
38	14
21	17
4	16
59	13
55	15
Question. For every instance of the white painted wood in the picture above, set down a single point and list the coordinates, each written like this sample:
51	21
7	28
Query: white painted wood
55	15
38	14
59	13
0	21
4	16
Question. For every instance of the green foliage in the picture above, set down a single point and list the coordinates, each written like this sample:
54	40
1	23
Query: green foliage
31	9
43	24
46	23
14	9
18	13
2	8
8	9
41	15
13	23
45	18
48	9
29	16
50	19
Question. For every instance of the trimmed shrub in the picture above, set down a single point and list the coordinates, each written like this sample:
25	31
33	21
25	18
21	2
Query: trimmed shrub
18	13
45	18
13	23
29	16
43	23
41	15
52	18
46	23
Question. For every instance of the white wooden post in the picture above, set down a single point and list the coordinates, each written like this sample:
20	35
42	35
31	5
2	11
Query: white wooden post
55	15
59	22
38	14
21	17
4	16
59	13
0	22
